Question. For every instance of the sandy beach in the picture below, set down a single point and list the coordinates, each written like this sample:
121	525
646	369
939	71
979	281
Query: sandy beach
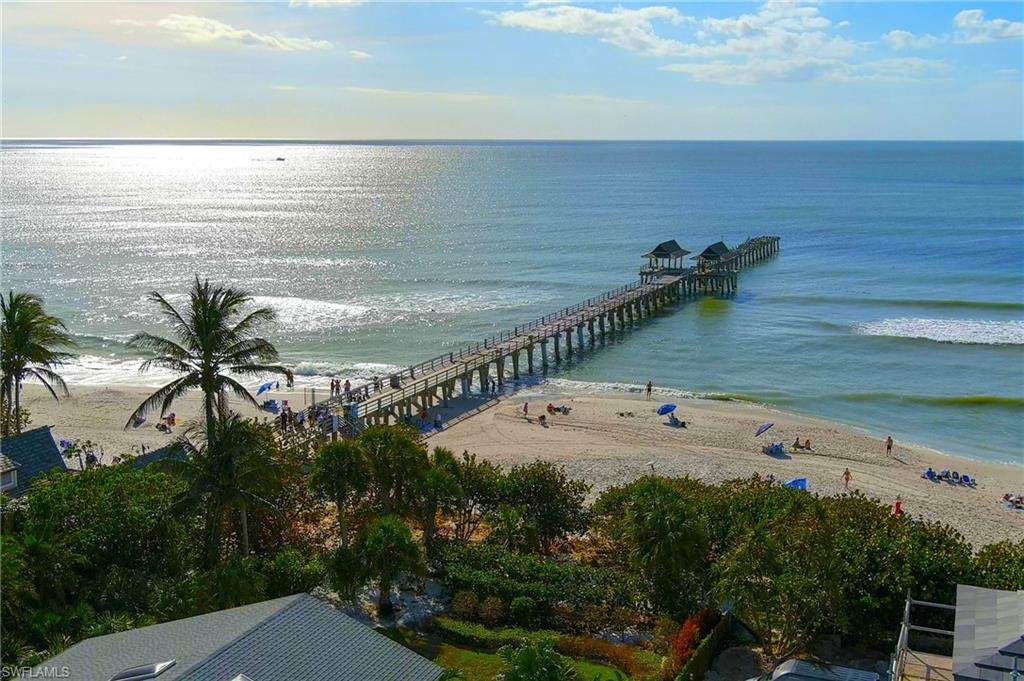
610	439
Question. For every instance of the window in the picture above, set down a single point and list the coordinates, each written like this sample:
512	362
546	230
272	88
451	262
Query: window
9	479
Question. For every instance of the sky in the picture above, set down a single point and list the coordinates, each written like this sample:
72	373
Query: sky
351	69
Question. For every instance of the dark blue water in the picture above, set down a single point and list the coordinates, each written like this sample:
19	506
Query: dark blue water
895	305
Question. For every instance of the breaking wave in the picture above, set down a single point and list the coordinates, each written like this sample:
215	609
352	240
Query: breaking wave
959	331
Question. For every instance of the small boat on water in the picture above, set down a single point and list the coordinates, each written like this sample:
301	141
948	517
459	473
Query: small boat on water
279	158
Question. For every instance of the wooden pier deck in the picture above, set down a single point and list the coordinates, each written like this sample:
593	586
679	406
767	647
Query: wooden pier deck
542	341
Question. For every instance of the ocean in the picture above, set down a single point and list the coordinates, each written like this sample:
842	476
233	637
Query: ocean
896	304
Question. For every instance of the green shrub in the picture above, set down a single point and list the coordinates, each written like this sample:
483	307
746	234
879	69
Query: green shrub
563	617
489	570
704	655
522	610
473	635
465	604
290	572
492	610
1000	566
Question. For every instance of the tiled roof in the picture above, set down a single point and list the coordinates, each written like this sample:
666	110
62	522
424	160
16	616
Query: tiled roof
989	626
35	452
295	637
7	464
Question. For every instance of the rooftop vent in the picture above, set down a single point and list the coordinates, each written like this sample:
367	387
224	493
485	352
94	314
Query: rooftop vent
143	672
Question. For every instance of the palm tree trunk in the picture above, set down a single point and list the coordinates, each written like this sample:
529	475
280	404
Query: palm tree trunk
17	405
211	420
8	404
384	599
429	528
245	531
339	502
212	538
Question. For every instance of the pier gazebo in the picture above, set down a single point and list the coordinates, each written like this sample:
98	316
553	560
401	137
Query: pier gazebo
711	256
668	257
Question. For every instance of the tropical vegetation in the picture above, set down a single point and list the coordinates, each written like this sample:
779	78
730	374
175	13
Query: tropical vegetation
537	579
32	347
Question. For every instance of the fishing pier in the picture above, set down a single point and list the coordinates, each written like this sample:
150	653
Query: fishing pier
666	280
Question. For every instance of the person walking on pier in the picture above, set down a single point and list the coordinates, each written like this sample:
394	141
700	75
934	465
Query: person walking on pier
650	387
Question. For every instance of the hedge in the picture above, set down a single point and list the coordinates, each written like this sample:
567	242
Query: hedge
702	658
493	571
459	632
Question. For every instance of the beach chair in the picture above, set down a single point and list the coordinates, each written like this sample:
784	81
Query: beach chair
929	475
966	479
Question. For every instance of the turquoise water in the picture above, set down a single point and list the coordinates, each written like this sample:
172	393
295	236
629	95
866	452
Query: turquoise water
896	304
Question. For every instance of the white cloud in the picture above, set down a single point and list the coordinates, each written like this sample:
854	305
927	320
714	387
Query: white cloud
972	27
630	29
905	40
539	3
196	30
359	54
779	27
285	88
456	97
123	57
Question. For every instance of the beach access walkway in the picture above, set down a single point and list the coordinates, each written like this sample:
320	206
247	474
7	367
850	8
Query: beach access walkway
401	396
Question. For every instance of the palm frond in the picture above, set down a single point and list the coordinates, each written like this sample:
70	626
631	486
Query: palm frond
163	397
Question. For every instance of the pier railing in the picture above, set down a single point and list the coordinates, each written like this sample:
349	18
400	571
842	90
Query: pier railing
414	380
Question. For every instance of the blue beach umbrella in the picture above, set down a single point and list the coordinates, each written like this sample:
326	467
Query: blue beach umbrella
762	428
666	409
796	483
264	387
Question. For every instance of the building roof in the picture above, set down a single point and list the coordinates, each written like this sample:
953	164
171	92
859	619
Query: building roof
988	634
35	452
7	465
668	249
295	637
715	251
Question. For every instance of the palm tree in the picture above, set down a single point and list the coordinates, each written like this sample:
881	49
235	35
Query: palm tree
397	460
30	342
386	549
238	473
536	661
438	492
215	336
340	473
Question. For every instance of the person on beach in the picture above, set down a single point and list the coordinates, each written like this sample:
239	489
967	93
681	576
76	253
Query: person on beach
888	446
650	387
796	443
847	476
526	410
807	443
897	506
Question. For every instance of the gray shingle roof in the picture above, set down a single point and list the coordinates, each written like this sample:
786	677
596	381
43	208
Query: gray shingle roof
35	452
668	249
295	637
715	251
7	464
989	623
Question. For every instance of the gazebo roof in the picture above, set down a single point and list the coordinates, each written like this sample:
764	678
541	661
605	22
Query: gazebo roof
668	249
715	251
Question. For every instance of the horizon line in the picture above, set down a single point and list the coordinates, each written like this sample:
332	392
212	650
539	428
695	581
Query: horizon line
392	140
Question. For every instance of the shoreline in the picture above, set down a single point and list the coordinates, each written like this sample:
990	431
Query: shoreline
598	445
